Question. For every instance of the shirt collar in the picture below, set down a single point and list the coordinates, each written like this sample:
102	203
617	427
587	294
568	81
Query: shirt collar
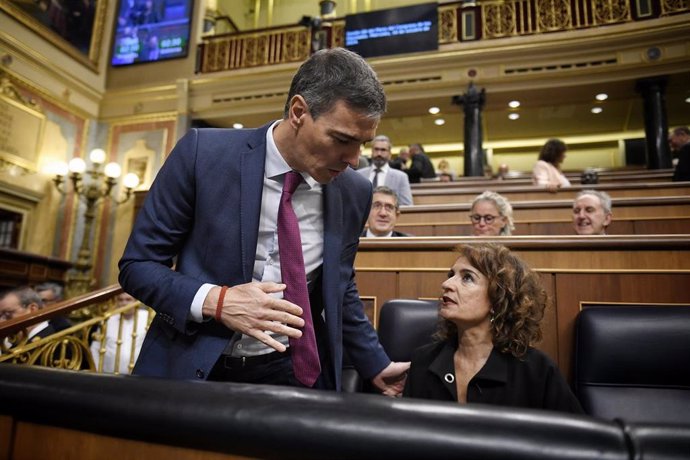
371	235
384	168
36	329
275	164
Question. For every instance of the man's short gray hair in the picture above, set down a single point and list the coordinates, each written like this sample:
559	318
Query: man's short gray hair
604	198
388	191
337	74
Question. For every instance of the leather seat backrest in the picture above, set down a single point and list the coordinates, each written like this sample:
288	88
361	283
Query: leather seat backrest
633	362
405	324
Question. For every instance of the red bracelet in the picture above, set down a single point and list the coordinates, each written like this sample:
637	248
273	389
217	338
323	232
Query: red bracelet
219	307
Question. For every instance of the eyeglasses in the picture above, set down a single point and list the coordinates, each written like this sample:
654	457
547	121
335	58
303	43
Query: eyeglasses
7	315
489	219
377	205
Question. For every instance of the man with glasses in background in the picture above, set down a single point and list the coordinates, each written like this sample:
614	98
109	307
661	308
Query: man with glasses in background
23	301
383	215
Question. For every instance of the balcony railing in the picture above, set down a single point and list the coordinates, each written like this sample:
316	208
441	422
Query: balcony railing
486	20
73	348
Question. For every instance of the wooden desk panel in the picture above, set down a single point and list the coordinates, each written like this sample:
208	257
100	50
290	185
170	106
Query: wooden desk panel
620	226
550	210
465	194
19	268
556	252
605	177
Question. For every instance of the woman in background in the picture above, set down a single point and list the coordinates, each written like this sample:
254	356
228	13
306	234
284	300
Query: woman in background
547	172
491	215
490	311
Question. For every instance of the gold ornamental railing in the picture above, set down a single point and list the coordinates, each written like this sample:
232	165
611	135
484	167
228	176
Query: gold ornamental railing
457	22
82	346
258	48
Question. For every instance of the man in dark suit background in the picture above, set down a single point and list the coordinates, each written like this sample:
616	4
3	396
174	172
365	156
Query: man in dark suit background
384	214
213	209
679	140
22	301
421	167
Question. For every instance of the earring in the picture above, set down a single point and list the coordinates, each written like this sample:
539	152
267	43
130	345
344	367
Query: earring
491	316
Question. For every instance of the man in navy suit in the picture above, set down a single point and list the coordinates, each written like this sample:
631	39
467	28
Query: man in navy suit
212	212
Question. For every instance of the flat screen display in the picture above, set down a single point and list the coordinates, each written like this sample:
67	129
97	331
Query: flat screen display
399	30
151	30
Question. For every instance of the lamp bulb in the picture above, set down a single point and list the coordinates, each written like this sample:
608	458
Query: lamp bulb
112	170
56	168
77	165
97	156
130	180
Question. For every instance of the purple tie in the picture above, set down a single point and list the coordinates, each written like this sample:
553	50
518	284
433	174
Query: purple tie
305	356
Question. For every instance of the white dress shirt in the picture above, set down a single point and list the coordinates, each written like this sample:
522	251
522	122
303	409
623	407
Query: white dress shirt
307	202
382	174
113	336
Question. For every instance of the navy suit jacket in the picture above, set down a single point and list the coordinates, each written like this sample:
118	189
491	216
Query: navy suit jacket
202	214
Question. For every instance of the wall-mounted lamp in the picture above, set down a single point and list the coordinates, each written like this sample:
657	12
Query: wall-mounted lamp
91	192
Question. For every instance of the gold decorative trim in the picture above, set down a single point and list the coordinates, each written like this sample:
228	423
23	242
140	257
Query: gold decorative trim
22	123
127	120
8	89
41	93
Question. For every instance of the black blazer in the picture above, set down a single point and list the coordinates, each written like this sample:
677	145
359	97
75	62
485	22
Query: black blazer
682	171
531	382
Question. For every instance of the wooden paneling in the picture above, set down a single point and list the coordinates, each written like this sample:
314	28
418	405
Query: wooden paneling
6	428
549	325
555	252
23	268
465	194
617	176
619	226
45	442
660	226
550	210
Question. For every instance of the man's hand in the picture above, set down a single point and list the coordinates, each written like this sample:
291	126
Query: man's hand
391	380
249	309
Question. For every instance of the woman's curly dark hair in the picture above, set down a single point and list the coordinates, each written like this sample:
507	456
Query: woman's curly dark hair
516	295
552	152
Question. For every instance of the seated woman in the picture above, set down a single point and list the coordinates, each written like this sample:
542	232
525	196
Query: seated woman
490	311
547	171
491	215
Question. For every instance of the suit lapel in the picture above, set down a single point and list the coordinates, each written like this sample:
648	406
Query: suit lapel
251	181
